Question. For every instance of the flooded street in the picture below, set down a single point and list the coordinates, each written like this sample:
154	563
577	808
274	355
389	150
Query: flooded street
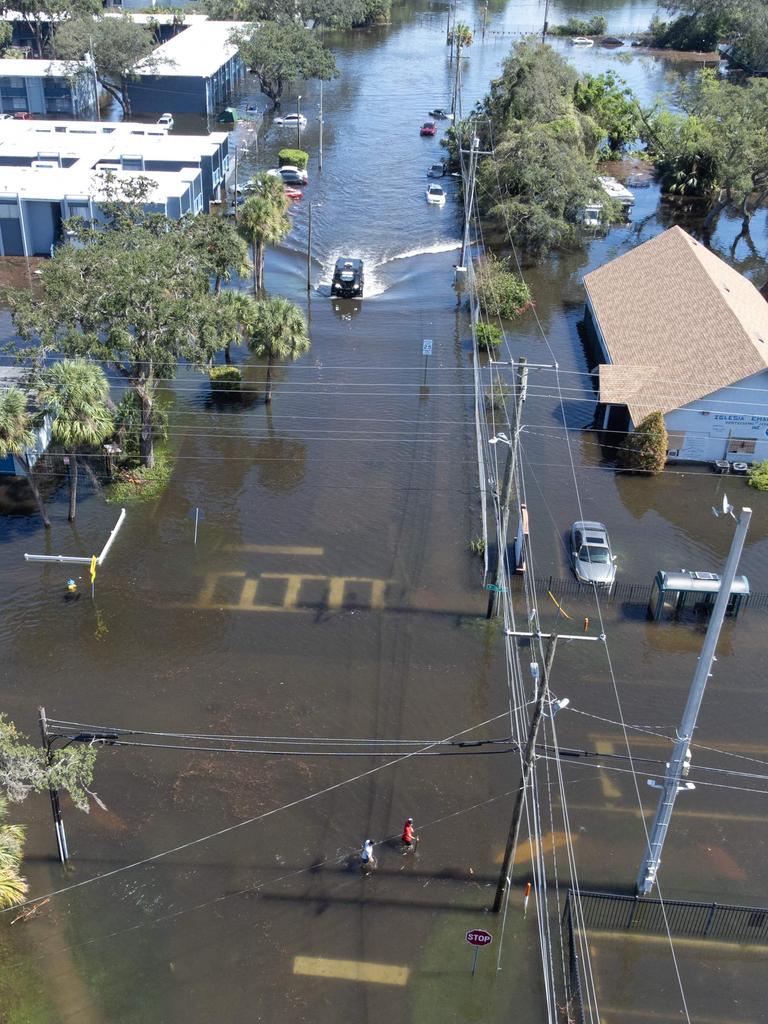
332	593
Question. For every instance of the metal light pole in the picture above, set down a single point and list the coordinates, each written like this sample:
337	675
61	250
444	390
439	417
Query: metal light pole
309	248
545	26
521	377
469	199
680	759
298	122
320	154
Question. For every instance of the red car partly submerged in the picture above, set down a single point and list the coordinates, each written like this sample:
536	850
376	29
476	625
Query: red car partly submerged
428	128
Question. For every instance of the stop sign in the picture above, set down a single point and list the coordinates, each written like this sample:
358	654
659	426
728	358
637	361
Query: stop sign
479	937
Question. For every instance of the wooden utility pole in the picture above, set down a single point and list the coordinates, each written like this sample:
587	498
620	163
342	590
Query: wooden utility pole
542	694
58	824
494	598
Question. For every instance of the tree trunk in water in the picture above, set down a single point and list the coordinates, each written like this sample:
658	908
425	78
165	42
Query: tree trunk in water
37	496
227	355
146	441
258	267
710	221
72	486
268	398
126	99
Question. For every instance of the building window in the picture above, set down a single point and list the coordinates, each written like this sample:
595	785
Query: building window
675	441
741	446
8	212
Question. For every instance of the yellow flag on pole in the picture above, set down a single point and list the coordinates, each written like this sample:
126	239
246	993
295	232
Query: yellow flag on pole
93	568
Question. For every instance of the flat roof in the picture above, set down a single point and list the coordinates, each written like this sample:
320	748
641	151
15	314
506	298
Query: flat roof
90	146
10	68
197	52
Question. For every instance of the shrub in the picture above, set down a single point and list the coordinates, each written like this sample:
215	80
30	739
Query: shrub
500	291
293	157
596	26
142	483
758	476
645	449
488	335
225	378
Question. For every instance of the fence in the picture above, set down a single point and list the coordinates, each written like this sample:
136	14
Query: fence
612	912
619	593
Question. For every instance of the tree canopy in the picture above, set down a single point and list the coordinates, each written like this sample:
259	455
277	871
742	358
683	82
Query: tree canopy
25	768
277	330
716	147
40	15
645	448
17	437
328	13
118	46
280	53
541	127
134	295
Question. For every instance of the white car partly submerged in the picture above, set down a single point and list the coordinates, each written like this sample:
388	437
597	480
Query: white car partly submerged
436	195
165	121
291	121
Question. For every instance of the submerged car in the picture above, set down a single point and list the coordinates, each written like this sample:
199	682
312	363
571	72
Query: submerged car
291	175
436	171
428	128
348	278
166	121
591	556
291	120
436	195
441	115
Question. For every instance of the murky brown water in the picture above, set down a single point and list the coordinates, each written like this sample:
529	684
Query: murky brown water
332	593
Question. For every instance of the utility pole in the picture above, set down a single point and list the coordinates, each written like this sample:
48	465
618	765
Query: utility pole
237	151
680	761
320	155
545	26
58	824
309	250
485	17
520	388
469	199
542	693
454	98
298	122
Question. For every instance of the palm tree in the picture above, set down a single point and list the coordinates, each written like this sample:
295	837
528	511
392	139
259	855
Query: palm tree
263	220
13	888
17	438
234	311
277	329
76	394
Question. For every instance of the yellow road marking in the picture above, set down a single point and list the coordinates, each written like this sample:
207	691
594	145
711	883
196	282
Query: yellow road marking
649	811
689	941
351	970
610	789
660	741
276	549
622	1013
550	842
336	592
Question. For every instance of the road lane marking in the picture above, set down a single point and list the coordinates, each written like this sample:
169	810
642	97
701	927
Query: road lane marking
276	549
551	841
661	741
336	591
609	786
351	970
649	812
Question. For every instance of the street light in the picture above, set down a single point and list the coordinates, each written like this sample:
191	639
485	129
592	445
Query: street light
298	122
309	248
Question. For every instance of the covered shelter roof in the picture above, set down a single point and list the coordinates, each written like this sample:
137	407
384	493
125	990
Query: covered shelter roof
677	322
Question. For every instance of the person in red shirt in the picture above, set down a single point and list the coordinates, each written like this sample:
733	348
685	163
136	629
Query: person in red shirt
409	837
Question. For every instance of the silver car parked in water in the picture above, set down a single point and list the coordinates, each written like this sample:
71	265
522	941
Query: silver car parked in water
591	555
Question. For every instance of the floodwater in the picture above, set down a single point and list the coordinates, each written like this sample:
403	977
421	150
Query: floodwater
332	593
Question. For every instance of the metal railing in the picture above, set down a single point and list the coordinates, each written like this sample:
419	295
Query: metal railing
614	912
620	593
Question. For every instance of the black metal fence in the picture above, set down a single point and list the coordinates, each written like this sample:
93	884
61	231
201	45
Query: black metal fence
612	912
575	1004
619	593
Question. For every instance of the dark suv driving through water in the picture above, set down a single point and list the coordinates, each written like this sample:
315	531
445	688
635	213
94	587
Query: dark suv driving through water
348	278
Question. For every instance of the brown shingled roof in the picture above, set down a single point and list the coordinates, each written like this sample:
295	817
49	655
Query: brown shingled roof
678	322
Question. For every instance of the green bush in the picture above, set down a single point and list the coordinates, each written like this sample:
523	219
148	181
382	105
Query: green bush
698	33
645	449
580	27
758	476
225	378
294	158
141	483
500	291
488	335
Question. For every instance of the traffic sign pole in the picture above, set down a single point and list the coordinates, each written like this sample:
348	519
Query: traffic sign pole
474	960
426	351
478	937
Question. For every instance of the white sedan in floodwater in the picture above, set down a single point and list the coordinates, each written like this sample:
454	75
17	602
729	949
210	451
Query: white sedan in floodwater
436	195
